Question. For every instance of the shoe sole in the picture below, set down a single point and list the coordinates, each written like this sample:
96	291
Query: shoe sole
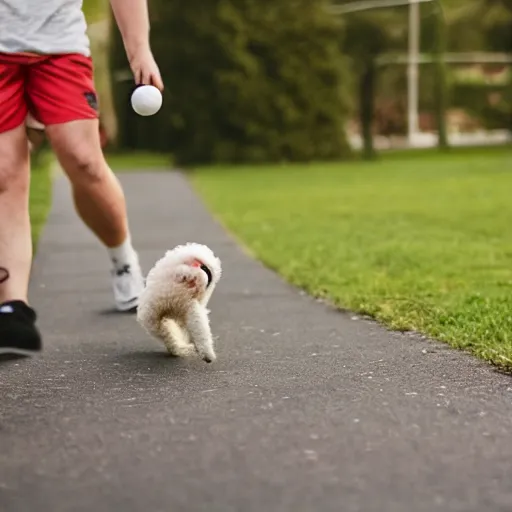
128	305
19	351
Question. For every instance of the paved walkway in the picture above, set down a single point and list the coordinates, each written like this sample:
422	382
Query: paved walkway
306	409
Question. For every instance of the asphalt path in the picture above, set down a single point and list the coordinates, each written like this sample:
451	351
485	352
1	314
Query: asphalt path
307	409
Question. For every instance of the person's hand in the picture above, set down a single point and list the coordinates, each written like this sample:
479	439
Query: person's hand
145	69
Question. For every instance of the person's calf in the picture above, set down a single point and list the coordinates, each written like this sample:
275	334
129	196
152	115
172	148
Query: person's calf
100	203
15	235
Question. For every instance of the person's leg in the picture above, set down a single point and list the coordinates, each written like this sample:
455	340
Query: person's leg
17	320
98	196
15	237
73	132
100	202
35	132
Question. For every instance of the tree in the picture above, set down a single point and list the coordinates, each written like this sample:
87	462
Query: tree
246	82
484	25
496	16
368	35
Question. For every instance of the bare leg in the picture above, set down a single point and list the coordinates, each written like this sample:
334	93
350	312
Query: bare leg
15	238
97	194
100	202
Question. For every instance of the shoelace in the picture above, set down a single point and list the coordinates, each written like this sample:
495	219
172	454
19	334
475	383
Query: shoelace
4	274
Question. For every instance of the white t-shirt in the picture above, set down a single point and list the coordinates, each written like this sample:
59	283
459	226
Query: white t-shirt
43	26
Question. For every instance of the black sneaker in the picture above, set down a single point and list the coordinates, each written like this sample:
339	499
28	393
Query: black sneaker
18	332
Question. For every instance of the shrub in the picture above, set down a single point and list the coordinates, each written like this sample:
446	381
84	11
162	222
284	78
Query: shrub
246	81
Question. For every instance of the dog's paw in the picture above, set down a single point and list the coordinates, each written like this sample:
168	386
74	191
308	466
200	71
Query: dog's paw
181	351
208	356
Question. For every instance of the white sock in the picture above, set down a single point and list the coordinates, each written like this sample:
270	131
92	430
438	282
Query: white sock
123	254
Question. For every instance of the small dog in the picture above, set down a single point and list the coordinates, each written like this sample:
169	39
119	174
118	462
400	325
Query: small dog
172	306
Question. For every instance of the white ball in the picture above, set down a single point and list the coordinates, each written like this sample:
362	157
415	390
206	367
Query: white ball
146	100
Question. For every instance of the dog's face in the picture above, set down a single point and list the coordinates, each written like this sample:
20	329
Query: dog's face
195	263
210	267
205	267
205	275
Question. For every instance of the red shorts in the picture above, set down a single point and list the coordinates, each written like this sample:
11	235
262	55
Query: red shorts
54	89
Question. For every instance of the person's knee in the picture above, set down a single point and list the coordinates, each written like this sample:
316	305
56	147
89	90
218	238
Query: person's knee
12	175
77	145
85	166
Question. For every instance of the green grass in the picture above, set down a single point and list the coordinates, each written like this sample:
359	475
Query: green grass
419	241
40	195
137	160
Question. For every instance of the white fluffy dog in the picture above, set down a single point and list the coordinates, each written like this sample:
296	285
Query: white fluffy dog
173	304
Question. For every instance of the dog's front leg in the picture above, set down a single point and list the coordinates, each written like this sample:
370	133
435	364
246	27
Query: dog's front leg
176	339
198	327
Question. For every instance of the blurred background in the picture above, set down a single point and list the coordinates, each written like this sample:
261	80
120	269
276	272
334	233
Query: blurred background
300	80
372	133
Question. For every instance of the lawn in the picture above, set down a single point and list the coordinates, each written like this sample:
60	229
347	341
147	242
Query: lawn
40	195
420	241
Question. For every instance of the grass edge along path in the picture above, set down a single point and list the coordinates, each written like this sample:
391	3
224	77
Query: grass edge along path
40	195
419	243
